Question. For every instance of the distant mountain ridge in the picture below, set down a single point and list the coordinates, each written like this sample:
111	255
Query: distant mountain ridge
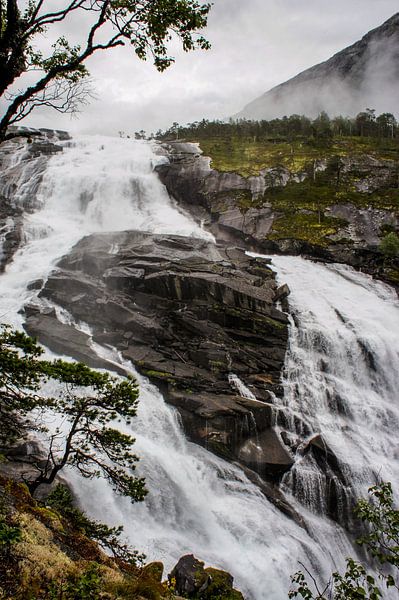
364	74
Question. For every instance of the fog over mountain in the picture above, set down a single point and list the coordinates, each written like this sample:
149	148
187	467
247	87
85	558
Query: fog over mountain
256	45
366	74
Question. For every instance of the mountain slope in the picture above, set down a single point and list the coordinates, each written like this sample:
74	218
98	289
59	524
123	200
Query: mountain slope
364	74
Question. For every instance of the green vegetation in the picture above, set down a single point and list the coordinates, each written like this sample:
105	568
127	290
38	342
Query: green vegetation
261	323
321	130
50	551
308	166
161	375
60	74
220	587
381	541
61	500
309	228
390	245
248	157
247	147
9	535
88	401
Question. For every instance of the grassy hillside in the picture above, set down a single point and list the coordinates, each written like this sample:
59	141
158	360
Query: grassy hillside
362	172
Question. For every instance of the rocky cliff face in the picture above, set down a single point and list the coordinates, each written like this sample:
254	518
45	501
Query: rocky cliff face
345	84
336	207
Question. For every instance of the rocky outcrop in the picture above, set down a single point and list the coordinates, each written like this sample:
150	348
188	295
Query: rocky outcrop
262	213
192	580
351	80
189	576
189	314
10	230
215	196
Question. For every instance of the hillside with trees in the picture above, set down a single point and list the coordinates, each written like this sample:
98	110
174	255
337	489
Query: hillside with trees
328	186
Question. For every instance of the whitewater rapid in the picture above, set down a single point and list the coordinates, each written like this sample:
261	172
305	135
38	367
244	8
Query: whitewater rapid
198	503
96	184
342	370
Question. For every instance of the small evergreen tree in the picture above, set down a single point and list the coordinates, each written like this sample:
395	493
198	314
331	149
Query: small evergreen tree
88	403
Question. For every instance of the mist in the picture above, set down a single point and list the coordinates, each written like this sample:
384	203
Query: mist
256	45
345	85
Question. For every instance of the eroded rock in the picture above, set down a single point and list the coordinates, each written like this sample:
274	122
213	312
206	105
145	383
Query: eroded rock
188	314
240	209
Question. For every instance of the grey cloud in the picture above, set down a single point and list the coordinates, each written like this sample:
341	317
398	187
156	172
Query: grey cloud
256	45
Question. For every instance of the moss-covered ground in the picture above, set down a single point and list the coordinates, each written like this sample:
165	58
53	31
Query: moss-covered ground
248	157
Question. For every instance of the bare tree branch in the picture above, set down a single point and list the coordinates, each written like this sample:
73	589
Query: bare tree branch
63	96
145	25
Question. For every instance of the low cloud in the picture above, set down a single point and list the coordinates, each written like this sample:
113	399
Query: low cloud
255	45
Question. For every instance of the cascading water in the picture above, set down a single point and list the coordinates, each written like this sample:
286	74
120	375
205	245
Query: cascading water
95	184
341	377
200	504
197	502
240	386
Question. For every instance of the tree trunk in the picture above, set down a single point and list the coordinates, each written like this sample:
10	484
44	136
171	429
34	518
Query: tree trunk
12	46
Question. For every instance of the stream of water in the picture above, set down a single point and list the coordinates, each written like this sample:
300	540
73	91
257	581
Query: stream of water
341	379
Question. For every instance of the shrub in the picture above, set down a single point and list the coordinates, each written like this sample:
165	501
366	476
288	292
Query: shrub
389	245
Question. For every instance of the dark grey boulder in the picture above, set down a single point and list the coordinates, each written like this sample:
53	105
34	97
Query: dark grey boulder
282	293
189	576
266	454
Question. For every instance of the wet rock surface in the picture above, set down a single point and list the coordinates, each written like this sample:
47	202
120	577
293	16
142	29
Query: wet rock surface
187	313
10	230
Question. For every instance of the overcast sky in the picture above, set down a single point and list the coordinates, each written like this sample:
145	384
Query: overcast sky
256	44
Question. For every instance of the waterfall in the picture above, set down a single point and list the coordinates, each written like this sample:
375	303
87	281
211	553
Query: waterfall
96	184
340	381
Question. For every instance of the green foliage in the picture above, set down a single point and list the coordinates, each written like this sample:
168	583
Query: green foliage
389	245
89	402
220	587
313	228
9	535
61	500
21	375
318	132
249	147
355	584
147	27
88	586
381	541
